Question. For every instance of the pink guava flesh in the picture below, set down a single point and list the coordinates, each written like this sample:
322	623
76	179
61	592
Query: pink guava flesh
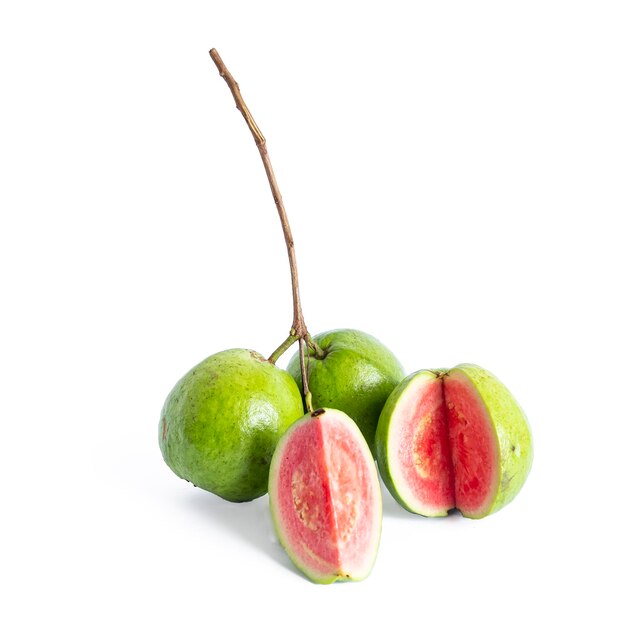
473	446
448	453
424	451
325	499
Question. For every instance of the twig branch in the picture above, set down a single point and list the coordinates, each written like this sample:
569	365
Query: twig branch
285	345
299	330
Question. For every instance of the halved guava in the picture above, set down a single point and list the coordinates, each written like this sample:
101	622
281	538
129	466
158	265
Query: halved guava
453	439
325	497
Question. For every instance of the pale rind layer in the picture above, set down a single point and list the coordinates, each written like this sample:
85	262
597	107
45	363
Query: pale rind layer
359	566
513	434
397	409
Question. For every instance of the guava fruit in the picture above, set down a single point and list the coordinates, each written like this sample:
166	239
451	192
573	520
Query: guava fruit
355	375
221	422
453	439
325	497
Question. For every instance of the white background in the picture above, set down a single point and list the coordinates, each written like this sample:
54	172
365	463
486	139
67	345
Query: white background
454	174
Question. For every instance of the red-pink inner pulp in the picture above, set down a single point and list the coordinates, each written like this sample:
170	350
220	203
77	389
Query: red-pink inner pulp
448	450
325	496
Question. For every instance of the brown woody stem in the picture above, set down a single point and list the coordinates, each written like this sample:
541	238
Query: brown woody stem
298	331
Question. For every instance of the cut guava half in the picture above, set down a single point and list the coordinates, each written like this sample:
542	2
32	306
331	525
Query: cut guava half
453	439
325	497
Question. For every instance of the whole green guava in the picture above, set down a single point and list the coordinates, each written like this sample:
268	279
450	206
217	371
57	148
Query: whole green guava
221	422
355	375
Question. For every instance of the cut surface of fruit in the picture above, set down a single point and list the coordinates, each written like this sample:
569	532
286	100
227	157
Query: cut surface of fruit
474	447
325	498
453	439
421	462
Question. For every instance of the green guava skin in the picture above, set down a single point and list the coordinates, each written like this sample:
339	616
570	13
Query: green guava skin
356	376
221	422
513	434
